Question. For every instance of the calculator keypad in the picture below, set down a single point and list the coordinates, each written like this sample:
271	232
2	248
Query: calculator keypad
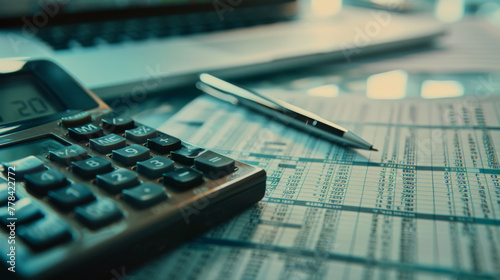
126	151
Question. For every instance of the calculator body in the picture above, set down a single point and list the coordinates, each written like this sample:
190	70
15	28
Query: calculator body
83	246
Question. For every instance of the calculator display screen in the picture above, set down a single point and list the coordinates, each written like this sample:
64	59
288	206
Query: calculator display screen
24	98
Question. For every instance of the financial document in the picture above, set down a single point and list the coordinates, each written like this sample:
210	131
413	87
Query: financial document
426	206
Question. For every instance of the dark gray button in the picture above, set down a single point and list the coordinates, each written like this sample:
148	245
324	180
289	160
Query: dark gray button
144	195
214	165
99	213
186	155
41	182
85	132
24	166
44	233
69	154
140	134
118	180
4	192
107	143
164	144
76	119
155	167
91	167
117	124
131	155
183	178
25	211
71	196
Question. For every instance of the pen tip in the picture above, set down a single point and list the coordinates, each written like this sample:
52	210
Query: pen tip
373	149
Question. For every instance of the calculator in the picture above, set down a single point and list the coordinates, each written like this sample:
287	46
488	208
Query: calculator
84	191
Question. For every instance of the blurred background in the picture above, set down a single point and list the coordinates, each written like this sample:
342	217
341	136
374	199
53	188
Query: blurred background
464	61
113	46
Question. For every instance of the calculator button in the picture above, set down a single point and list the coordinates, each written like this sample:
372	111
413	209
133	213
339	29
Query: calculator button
140	134
144	195
68	154
186	155
118	180
71	196
91	167
25	211
4	192
164	144
131	155
183	178
41	182
76	119
24	166
107	143
155	167
85	132
99	213
44	233
117	124
214	165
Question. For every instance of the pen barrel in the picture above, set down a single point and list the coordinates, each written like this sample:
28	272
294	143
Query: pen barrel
310	124
322	130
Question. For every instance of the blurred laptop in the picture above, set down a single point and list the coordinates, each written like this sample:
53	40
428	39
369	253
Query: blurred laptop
121	47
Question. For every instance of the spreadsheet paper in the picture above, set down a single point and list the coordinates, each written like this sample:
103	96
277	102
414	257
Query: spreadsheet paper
426	206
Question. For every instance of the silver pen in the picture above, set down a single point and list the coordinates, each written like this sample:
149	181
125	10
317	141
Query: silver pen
281	111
